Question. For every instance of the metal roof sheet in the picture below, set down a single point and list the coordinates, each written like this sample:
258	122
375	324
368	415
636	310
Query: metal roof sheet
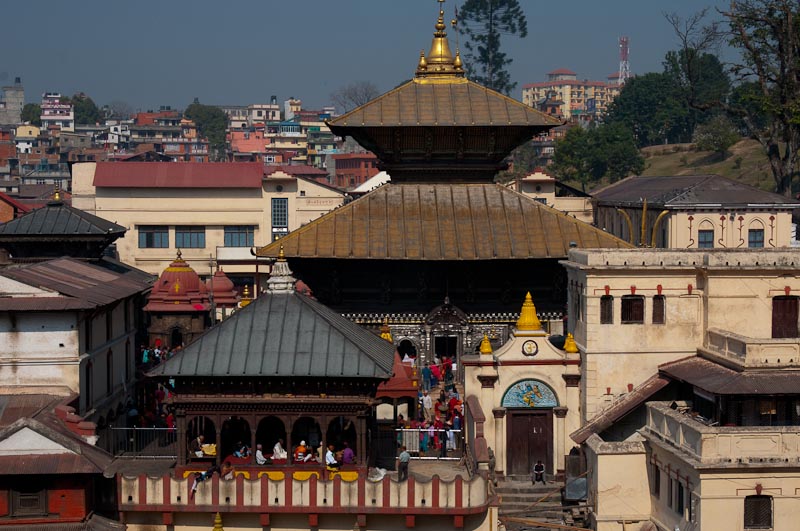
721	380
461	103
675	190
442	222
284	334
88	285
179	174
58	219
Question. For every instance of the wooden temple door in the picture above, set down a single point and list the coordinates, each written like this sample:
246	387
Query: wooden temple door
530	438
784	317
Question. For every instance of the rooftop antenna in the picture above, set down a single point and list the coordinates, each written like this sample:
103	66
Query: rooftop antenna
624	63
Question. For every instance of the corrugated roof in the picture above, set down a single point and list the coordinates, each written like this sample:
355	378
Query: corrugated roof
88	285
15	407
720	380
676	190
443	104
284	335
621	408
179	174
93	523
442	222
58	219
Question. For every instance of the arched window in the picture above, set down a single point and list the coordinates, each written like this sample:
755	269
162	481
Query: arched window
270	430
705	235
755	235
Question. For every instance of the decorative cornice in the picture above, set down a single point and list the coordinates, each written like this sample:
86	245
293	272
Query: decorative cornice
572	380
488	380
499	412
560	412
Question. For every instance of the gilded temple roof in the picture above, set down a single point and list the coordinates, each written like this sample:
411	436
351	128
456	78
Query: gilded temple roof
442	222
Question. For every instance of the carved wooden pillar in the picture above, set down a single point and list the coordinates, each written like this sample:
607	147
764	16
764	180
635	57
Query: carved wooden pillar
361	450
560	414
499	414
182	439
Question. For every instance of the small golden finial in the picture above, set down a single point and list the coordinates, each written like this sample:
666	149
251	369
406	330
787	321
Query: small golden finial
486	345
570	346
245	297
423	64
386	332
528	321
281	255
218	522
57	193
457	61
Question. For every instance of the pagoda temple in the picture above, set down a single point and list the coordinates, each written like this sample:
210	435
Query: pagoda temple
442	230
178	306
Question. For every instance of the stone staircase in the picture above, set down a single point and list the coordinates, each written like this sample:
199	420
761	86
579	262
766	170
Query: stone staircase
518	498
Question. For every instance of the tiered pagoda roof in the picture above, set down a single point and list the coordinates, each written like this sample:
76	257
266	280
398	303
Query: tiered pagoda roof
178	290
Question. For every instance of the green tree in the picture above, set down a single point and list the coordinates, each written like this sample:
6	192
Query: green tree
484	23
32	113
717	135
590	155
651	107
211	122
766	35
86	112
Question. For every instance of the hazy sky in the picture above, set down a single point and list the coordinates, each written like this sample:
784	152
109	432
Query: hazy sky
167	52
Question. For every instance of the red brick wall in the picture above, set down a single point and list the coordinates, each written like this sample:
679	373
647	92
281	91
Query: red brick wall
6	212
66	500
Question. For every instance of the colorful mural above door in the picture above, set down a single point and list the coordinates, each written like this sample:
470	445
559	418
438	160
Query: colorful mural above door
528	394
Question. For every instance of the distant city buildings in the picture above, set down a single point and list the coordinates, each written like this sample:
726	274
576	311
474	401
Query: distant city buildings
574	98
11	103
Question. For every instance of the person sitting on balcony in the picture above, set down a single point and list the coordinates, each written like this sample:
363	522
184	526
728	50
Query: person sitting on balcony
348	455
196	446
300	452
278	451
260	459
242	450
330	460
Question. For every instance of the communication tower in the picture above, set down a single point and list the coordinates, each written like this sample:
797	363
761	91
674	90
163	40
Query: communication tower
624	64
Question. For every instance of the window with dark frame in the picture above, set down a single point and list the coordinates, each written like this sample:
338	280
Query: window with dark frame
758	512
755	238
632	309
28	498
659	309
705	239
153	237
239	235
656	481
190	237
679	506
670	493
606	309
109	372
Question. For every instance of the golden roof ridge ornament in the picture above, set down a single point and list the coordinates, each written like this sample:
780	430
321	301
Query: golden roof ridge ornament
440	66
486	345
528	321
386	332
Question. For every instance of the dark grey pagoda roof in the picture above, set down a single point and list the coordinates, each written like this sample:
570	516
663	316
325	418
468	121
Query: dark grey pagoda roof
284	334
689	190
58	230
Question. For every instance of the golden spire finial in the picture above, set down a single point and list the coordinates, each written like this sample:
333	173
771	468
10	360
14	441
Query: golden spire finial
281	255
57	193
439	65
486	345
528	320
218	522
570	346
386	332
245	297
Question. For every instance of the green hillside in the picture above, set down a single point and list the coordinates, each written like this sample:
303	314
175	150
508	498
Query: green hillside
746	162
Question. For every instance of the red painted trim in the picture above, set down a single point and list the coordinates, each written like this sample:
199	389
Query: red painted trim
313	520
513	363
411	521
459	490
435	486
287	490
264	492
256	509
361	520
142	488
411	485
167	490
387	499
337	491
264	518
312	491
362	490
214	489
458	522
166	518
478	363
239	491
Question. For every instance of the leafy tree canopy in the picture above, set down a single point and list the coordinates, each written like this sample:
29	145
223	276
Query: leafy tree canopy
718	134
212	122
86	112
484	23
32	113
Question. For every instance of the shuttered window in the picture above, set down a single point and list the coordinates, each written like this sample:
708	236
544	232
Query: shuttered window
632	309
758	512
659	309
606	309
